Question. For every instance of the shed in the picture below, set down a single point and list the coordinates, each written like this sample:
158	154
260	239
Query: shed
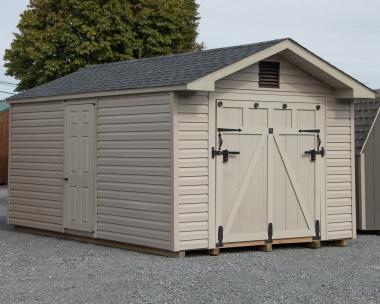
367	133
236	146
4	131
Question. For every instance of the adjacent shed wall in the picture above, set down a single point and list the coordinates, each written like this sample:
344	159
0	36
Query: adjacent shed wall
4	147
36	165
369	177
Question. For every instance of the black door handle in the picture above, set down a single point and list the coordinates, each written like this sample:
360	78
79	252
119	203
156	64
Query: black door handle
313	153
225	154
65	179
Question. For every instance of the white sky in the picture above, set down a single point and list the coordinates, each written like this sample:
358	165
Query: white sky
344	32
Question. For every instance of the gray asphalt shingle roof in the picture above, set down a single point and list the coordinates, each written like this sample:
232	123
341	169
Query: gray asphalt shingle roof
146	73
365	113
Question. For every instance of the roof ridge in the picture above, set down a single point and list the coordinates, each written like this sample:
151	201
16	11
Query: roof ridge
96	65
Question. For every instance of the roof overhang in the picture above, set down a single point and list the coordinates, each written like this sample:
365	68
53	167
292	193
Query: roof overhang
99	94
345	87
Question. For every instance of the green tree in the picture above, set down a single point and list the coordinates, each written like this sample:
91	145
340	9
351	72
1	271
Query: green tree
56	37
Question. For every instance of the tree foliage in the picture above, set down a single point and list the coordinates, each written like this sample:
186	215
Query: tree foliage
56	37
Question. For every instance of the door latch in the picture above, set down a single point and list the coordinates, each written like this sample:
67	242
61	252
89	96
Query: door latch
314	152
224	152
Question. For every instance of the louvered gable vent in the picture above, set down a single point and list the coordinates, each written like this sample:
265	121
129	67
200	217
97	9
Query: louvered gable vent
269	74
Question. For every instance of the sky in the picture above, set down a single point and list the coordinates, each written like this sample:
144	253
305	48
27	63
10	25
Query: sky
346	33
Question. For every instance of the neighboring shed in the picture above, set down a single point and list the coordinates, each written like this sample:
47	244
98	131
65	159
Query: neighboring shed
214	148
4	131
367	137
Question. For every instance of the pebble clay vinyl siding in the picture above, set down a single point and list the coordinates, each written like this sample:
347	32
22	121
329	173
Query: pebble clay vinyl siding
339	171
134	170
36	162
192	203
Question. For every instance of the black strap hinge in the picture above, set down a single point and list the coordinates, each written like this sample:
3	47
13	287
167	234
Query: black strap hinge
229	130
317	131
270	233
317	230
220	237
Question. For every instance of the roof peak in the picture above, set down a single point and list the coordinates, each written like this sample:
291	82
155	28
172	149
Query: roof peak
187	53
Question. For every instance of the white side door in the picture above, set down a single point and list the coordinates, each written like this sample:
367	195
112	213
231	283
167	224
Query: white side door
79	196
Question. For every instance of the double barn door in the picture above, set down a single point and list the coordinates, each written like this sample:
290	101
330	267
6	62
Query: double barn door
268	187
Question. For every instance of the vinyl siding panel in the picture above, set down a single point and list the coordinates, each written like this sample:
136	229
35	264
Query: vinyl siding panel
134	170
36	165
339	187
293	81
192	171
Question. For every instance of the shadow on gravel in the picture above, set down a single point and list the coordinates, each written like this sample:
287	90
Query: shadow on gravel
369	232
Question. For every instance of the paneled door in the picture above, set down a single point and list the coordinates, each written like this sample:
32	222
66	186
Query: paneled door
79	196
269	171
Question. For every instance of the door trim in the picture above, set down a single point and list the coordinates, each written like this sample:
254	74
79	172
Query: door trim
212	172
95	103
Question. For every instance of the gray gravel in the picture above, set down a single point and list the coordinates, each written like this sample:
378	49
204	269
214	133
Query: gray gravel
37	269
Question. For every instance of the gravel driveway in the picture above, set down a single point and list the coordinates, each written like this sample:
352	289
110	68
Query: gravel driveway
37	269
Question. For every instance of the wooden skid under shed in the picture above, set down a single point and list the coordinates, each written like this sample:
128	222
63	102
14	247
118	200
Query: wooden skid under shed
260	245
338	243
267	247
